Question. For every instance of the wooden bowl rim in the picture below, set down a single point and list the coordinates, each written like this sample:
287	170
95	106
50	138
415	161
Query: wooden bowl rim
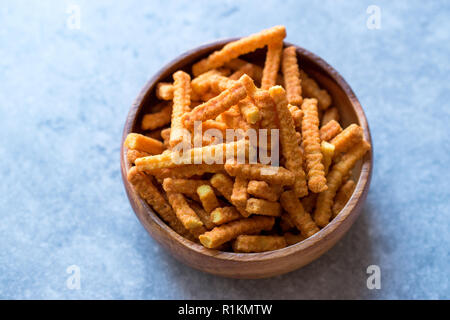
362	184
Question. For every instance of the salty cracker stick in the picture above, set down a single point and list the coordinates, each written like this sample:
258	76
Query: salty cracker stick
342	196
330	114
239	195
263	190
297	116
158	119
311	146
299	217
249	111
143	185
181	105
236	48
328	154
246	243
330	130
311	89
291	74
132	155
140	142
257	171
322	214
290	148
184	186
164	91
215	106
207	197
224	215
271	65
347	138
263	207
229	231
224	184
184	213
293	238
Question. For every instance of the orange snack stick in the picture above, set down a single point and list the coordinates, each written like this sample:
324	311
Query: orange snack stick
143	185
132	155
226	232
207	197
301	219
181	105
322	213
237	64
248	69
328	154
184	213
224	184
291	74
347	138
330	130
297	116
272	65
239	195
246	243
212	108
342	196
159	119
236	48
165	135
187	171
184	186
309	202
290	148
257	171
249	111
263	190
330	114
263	207
224	215
204	216
293	238
213	124
140	142
311	89
311	146
164	91
202	84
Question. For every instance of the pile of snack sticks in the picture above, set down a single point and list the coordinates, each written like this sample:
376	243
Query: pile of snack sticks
238	206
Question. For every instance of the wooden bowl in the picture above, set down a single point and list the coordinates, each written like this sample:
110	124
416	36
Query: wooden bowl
253	265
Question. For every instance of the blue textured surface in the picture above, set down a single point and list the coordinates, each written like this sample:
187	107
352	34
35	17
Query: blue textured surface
64	97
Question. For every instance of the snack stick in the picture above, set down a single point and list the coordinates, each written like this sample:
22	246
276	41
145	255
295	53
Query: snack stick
181	105
301	219
263	207
311	89
311	146
215	106
330	130
309	202
143	185
290	148
342	196
246	243
249	111
202	84
204	216
261	189
237	64
328	154
132	155
140	142
291	74
184	213
207	197
224	215
187	171
271	65
164	91
286	223
165	135
257	171
155	120
184	186
248	69
322	213
293	238
229	231
236	48
347	138
239	194
330	114
297	116
224	185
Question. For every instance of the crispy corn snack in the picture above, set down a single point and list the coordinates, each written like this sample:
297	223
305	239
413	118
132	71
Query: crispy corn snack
164	91
291	74
347	138
184	213
229	231
158	119
263	207
328	154
322	213
181	105
272	65
342	196
184	186
140	142
263	190
275	175
239	195
293	238
236	48
299	217
330	114
132	155
311	89
246	243
207	197
224	215
311	146
330	130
